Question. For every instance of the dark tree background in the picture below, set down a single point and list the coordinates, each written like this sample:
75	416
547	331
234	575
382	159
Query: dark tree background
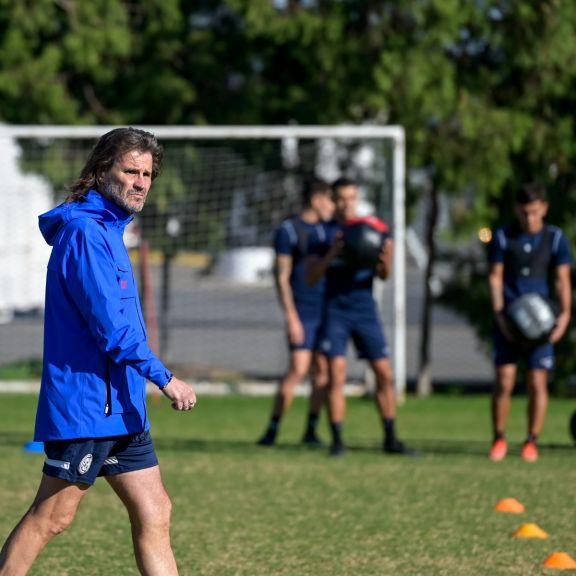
485	90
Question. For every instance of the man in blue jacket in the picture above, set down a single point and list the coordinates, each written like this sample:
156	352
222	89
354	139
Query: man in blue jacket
92	413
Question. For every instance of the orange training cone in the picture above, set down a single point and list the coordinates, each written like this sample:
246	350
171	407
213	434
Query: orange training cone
509	505
560	561
530	531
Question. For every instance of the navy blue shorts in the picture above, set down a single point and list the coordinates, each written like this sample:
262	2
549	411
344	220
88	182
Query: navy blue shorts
311	322
362	326
534	357
84	459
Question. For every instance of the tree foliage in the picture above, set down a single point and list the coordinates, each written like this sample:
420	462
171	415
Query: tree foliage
484	89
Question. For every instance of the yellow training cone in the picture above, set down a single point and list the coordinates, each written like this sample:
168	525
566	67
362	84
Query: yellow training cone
560	561
509	505
530	531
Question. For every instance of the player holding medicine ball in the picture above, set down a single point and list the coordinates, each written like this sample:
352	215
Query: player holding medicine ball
523	257
352	313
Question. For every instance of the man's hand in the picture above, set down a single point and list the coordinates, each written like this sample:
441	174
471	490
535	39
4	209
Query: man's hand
316	267
385	251
384	264
503	325
295	331
181	394
562	323
337	246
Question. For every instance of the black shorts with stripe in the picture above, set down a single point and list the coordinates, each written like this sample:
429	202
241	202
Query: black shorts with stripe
84	459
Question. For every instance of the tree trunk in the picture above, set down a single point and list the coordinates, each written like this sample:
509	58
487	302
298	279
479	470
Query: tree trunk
424	382
147	297
165	304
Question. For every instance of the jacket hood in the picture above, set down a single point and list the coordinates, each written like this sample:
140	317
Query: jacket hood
91	205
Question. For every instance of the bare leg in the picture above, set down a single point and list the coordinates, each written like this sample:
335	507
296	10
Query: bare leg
385	393
149	507
501	396
537	384
51	513
386	405
336	400
299	366
320	379
318	397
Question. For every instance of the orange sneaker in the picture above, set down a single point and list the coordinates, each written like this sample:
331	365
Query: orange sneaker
498	450
529	451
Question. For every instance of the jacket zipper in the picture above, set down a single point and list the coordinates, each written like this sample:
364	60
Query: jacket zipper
108	390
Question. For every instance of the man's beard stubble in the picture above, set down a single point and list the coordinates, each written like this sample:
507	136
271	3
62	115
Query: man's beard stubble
113	193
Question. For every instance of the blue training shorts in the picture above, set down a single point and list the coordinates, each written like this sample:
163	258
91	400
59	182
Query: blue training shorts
84	459
535	357
362	326
311	319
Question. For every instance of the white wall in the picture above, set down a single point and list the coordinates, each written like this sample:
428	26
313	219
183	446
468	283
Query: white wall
23	251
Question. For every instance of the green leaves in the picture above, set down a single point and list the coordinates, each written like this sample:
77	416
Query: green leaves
484	90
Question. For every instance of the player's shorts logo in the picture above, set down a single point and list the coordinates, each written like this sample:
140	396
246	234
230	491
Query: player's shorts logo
547	362
85	464
325	345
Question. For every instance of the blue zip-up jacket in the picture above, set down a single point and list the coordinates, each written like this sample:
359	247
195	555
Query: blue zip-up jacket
96	357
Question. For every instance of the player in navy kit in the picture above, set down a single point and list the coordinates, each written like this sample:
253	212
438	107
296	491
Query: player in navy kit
302	307
523	257
352	313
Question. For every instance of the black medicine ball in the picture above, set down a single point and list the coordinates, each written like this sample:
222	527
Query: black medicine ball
531	318
363	239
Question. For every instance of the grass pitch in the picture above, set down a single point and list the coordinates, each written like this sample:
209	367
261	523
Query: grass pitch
244	510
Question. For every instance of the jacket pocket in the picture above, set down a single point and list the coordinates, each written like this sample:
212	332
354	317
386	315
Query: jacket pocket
123	396
129	298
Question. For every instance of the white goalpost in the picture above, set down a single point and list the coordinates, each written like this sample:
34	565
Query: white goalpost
222	192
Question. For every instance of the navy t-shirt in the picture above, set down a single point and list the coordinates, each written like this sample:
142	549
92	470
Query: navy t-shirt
292	238
346	287
517	284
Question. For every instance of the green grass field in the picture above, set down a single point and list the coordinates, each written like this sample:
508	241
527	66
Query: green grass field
244	510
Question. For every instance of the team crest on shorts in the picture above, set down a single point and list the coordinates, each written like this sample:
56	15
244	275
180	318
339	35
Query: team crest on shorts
85	464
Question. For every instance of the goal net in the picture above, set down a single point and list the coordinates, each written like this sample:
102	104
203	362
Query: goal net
202	247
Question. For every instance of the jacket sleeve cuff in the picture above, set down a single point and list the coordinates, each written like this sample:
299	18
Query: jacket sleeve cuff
167	381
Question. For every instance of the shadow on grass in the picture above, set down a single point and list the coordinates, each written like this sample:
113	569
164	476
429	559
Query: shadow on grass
424	447
440	447
224	445
14	438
